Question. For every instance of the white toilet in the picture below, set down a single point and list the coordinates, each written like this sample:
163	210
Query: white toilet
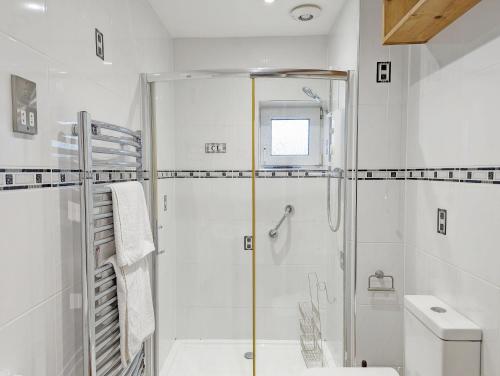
438	342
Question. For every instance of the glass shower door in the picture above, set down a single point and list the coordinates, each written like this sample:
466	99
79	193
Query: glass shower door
300	163
204	195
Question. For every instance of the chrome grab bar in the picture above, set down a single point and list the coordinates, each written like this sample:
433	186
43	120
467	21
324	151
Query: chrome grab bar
289	210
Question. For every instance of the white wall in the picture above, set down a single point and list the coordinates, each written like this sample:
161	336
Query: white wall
453	122
246	53
380	203
213	215
52	43
343	39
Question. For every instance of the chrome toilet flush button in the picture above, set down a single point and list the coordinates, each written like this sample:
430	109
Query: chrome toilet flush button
438	309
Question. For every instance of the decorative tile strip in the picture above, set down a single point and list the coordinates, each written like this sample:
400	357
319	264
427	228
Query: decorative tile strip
380	174
484	175
33	178
246	174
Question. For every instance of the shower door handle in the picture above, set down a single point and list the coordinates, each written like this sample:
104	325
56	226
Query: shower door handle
336	173
159	251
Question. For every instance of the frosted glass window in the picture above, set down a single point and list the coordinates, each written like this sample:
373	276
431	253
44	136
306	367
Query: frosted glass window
290	134
290	137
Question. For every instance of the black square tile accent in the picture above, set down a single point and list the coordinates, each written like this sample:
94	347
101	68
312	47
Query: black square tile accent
63	178
469	175
411	174
491	175
240	174
207	174
393	174
121	175
224	174
307	173
273	174
38	178
289	173
369	174
435	174
9	179
450	174
191	174
422	174
97	177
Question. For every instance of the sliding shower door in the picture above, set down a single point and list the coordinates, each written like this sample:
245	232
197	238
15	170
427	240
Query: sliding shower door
300	162
250	193
204	279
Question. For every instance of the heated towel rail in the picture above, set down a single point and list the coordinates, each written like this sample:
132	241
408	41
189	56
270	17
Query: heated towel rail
108	153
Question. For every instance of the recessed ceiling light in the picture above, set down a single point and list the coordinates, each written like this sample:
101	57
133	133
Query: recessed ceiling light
269	1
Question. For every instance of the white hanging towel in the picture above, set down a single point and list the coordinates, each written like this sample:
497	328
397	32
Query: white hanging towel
135	307
133	242
133	237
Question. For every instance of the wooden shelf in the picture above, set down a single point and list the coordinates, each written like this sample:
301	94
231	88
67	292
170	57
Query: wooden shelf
418	21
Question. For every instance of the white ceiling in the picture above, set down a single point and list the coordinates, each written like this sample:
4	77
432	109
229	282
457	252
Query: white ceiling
242	18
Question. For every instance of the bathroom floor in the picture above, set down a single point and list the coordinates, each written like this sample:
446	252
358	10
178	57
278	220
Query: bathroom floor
226	358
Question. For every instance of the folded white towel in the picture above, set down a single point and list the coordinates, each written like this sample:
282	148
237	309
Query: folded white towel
135	307
133	237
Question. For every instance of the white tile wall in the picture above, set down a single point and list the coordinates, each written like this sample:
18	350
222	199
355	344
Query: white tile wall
246	53
214	272
380	203
52	43
378	335
213	276
452	122
343	39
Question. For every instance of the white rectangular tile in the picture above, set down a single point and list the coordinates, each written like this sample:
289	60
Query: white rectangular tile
379	335
380	211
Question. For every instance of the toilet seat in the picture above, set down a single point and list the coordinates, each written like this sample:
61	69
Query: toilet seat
372	371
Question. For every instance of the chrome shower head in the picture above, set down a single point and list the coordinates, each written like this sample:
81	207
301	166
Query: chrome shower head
308	91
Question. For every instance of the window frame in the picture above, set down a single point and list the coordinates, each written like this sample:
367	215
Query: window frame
290	110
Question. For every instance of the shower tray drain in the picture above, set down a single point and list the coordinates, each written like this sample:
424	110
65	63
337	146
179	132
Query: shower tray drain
248	355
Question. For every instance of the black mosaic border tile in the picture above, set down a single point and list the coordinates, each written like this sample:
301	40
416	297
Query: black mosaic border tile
34	178
473	175
235	174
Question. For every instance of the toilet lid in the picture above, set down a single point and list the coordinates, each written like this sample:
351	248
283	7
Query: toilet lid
374	371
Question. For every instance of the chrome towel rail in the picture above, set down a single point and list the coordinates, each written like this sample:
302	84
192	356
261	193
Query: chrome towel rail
117	140
123	148
97	125
103	150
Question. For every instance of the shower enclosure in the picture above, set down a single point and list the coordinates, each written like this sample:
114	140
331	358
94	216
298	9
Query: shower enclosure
250	177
